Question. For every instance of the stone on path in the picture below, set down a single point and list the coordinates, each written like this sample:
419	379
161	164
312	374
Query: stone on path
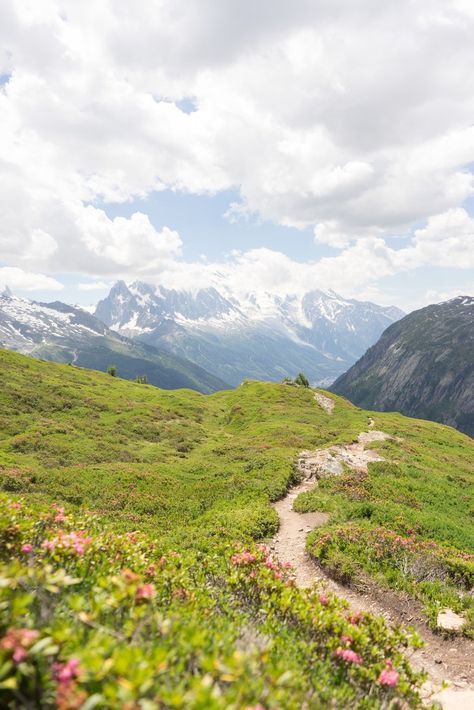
455	699
448	620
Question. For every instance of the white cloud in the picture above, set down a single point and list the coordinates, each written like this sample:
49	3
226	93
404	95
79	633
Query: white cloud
348	119
94	286
16	278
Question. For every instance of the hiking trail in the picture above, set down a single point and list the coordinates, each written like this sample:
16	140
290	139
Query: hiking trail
443	658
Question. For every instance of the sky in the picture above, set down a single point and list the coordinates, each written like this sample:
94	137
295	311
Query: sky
277	146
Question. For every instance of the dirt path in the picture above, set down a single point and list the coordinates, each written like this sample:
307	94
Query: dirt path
325	402
443	659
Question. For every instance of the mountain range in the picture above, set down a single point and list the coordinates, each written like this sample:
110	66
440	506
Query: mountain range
422	366
261	336
63	333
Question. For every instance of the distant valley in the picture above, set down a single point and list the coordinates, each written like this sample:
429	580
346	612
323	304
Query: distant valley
62	333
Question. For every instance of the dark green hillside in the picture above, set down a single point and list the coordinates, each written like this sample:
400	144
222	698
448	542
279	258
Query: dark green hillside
132	360
423	366
65	334
162	599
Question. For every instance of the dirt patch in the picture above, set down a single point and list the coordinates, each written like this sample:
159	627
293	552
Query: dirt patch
330	462
325	402
443	658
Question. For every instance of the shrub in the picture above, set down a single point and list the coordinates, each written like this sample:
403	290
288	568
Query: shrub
90	618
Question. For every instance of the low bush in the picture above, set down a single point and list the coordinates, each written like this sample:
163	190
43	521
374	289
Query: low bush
93	619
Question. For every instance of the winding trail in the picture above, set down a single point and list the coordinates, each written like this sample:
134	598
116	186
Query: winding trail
442	658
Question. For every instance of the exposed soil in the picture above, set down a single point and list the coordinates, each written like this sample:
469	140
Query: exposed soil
444	658
325	402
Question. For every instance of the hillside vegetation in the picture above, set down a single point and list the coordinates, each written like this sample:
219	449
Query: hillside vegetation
149	590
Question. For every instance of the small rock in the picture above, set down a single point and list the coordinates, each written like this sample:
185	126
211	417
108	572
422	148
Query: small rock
449	620
438	660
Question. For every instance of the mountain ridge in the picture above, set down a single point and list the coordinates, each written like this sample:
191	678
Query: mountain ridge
238	335
422	366
62	333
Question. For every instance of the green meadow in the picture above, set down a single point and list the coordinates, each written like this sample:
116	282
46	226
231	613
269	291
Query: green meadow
153	572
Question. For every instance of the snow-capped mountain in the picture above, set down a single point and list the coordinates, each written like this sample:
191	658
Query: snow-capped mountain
62	333
248	334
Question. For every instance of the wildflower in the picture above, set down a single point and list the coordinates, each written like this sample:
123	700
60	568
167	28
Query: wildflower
26	548
18	641
389	676
243	558
146	591
68	696
15	506
348	655
130	576
48	544
324	599
269	562
346	639
355	618
65	672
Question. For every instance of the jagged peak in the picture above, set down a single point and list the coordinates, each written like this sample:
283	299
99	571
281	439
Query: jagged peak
6	292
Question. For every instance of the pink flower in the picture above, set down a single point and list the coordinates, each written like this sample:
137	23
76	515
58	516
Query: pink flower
323	599
355	618
146	591
389	677
26	548
348	655
48	544
66	672
19	654
243	558
346	639
18	641
15	506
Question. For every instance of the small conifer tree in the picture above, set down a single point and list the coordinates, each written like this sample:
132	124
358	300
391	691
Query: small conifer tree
302	380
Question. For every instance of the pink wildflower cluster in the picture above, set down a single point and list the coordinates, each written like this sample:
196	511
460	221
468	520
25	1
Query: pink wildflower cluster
348	655
145	591
27	548
243	558
59	516
389	676
68	696
65	672
355	618
19	641
75	541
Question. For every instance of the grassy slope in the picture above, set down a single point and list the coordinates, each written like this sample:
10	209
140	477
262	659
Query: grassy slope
199	470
